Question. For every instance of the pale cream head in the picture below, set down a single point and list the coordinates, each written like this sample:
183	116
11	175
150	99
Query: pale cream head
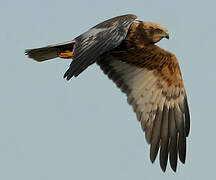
156	31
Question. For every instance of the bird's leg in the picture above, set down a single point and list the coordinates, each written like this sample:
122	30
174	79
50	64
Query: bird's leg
66	54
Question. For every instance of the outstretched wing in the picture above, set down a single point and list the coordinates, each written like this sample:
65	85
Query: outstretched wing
96	41
152	80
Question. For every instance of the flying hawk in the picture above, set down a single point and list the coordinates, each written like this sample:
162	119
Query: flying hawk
125	50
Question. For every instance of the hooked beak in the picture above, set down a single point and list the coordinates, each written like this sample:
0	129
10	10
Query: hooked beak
167	36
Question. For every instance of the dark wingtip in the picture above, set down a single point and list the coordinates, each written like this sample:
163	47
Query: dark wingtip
68	78
65	74
173	166
68	75
153	152
173	155
163	165
163	157
187	117
163	169
155	140
182	148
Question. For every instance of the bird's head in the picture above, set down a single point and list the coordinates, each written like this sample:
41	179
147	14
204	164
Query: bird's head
155	32
149	32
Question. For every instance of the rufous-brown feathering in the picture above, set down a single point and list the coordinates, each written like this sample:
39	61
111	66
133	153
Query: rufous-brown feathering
150	76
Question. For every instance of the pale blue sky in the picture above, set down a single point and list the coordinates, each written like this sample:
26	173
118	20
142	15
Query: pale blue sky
51	129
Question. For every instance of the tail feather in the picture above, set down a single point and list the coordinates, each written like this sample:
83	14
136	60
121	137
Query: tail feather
50	52
42	54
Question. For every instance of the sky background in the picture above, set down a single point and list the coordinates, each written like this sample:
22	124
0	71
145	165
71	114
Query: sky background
51	129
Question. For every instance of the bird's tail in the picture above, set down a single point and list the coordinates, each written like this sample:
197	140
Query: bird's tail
63	50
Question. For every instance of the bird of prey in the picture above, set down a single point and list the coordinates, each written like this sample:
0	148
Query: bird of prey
126	51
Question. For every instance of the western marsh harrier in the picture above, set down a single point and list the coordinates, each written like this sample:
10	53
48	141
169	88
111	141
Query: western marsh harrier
125	50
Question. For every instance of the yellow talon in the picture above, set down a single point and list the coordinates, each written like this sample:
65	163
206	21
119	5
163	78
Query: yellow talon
66	54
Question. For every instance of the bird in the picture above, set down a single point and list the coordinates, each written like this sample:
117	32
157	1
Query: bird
126	51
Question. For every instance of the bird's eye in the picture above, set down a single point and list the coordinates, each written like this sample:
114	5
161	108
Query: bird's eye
158	31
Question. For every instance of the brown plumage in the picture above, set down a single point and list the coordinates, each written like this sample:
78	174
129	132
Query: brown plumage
125	50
